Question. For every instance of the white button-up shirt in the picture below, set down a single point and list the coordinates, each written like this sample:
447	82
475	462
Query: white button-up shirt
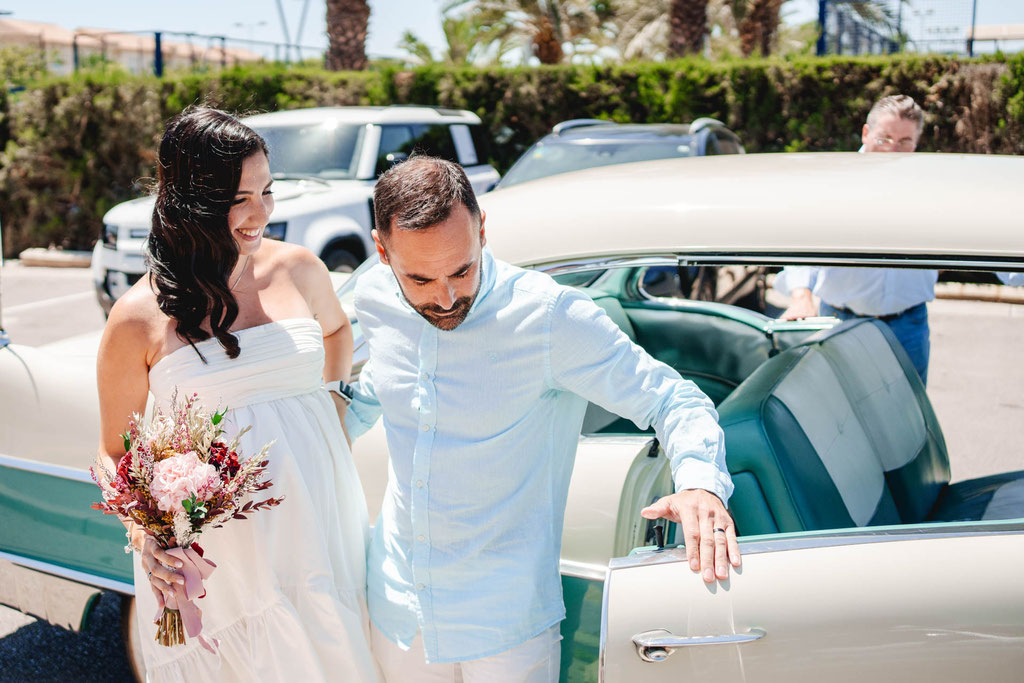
867	291
482	424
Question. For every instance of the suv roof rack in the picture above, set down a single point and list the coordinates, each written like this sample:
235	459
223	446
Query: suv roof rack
577	123
704	122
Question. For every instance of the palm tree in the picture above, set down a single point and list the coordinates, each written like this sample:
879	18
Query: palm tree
545	27
347	21
688	24
759	26
472	37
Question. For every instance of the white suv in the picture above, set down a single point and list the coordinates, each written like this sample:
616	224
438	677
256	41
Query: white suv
325	162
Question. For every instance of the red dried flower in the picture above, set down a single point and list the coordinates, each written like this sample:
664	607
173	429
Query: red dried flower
121	479
224	460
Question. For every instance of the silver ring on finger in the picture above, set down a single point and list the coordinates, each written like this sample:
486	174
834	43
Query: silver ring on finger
719	530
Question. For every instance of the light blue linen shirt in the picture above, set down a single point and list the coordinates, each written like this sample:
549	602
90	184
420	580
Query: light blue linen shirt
482	424
867	291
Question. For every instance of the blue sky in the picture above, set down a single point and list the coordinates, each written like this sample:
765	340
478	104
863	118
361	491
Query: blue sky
259	19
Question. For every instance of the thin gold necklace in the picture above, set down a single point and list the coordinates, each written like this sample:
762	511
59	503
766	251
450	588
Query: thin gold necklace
239	278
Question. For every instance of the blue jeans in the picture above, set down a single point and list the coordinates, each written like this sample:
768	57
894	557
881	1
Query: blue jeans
911	328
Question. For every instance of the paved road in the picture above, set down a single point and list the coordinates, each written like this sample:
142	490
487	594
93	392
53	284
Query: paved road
42	305
976	386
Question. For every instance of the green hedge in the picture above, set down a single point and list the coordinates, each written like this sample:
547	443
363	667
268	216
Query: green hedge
75	147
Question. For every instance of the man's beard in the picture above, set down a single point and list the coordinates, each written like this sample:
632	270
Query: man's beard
454	316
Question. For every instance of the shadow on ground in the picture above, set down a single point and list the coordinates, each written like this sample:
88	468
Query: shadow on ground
42	652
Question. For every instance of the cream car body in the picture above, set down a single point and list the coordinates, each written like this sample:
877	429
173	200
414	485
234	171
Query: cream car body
900	602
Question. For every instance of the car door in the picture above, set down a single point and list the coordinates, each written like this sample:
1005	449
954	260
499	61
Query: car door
937	603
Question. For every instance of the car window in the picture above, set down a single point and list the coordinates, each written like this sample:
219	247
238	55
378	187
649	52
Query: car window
482	143
327	150
727	144
547	159
404	139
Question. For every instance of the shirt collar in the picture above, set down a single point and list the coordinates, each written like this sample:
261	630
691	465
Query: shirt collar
488	276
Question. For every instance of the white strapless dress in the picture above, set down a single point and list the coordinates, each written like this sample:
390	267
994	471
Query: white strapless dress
287	600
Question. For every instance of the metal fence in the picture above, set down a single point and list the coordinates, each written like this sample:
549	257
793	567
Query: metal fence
850	27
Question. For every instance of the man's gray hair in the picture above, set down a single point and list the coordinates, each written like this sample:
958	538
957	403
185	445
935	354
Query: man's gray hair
900	106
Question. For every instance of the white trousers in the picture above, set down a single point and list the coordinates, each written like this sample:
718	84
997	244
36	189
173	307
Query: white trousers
535	661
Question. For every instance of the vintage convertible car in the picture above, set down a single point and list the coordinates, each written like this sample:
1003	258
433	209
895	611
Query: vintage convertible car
861	559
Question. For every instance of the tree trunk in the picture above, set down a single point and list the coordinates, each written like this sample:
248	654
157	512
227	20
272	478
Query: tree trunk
346	34
759	28
688	24
546	45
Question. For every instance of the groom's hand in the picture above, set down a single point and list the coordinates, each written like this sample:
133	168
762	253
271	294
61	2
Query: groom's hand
708	530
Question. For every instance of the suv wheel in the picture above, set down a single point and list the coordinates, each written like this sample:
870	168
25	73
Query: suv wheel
341	261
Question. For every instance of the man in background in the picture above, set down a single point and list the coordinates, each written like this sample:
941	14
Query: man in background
898	297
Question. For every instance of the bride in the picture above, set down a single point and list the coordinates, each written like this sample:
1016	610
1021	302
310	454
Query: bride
250	325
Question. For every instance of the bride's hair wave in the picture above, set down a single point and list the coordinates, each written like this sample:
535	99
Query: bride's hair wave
190	252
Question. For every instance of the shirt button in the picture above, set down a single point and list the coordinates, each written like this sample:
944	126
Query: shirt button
421	538
420	586
419	484
426	428
425	376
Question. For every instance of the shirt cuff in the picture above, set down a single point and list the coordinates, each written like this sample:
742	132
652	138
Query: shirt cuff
700	474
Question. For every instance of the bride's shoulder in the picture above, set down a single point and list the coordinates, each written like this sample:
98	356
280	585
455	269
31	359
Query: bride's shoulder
138	313
299	262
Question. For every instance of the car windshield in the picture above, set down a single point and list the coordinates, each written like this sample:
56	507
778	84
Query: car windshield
326	150
546	159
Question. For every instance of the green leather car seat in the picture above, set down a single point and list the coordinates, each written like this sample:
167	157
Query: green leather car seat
838	432
799	456
889	399
714	345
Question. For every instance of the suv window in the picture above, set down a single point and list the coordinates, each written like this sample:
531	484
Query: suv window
727	144
435	140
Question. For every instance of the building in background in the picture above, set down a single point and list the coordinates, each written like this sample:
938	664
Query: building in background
64	48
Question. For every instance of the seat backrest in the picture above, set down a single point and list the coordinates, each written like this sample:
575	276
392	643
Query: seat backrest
890	400
714	351
833	433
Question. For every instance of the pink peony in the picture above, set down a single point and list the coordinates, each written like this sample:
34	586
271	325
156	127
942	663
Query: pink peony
179	477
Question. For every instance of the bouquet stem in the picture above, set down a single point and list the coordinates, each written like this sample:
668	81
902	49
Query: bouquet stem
170	631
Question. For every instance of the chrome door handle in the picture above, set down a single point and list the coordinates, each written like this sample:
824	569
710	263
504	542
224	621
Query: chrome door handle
659	644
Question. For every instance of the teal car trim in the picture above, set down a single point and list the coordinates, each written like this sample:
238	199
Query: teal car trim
49	525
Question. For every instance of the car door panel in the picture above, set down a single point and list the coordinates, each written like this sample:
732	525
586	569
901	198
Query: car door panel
939	603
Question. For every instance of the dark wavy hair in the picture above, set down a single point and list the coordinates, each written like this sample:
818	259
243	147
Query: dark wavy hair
190	250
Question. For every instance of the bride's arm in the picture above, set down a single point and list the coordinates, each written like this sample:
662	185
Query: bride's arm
315	282
122	374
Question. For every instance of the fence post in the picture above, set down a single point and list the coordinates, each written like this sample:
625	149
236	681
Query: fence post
223	52
839	32
158	55
822	47
974	16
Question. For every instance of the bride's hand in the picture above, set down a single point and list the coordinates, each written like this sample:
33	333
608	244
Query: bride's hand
157	563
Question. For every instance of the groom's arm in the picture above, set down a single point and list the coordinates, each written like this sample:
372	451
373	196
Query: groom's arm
592	357
365	409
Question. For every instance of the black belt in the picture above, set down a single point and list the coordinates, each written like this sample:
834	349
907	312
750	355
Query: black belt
884	318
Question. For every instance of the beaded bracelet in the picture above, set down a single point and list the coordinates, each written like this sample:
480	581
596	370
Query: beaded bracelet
130	547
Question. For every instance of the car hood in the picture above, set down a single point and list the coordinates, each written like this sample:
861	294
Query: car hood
291	197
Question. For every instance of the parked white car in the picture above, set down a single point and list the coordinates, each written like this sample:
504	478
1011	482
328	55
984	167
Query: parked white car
326	162
869	552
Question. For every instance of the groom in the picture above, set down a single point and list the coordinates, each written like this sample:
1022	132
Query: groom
483	372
